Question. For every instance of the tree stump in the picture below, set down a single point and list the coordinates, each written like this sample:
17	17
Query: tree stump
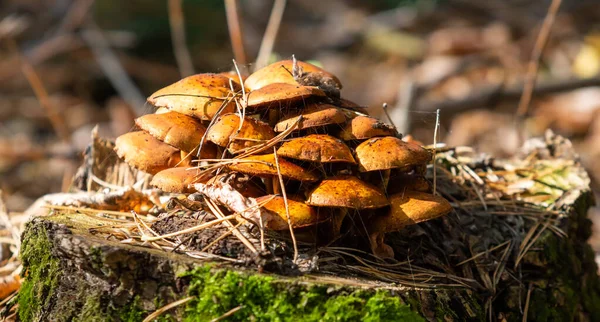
523	253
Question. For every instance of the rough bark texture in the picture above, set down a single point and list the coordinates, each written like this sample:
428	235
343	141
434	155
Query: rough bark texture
74	275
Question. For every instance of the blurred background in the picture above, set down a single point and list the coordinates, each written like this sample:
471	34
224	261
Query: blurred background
68	65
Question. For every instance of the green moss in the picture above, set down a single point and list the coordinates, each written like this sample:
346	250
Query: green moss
262	298
42	274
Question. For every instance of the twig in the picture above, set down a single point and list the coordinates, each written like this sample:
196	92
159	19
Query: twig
266	46
534	62
285	202
167	307
435	132
58	123
182	53
114	71
235	31
227	314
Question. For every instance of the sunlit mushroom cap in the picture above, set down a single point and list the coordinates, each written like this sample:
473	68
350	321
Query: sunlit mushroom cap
301	214
177	180
264	165
316	148
200	96
409	208
282	72
314	115
276	95
143	151
389	152
252	132
176	129
234	77
347	192
365	127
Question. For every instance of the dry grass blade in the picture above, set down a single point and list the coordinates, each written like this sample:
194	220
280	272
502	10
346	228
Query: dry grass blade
266	46
191	229
227	314
287	207
177	23
272	142
526	311
215	210
165	308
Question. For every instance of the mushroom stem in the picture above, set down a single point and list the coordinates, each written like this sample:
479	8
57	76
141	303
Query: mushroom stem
378	247
276	187
336	221
385	179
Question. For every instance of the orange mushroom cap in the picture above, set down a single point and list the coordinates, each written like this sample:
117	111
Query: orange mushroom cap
365	127
176	129
389	152
301	214
252	132
317	148
143	151
264	165
314	115
283	72
200	96
277	94
347	192
178	180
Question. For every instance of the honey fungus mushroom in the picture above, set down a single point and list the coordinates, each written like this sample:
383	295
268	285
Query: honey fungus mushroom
301	214
321	148
365	127
200	96
406	208
178	179
346	192
226	132
314	115
265	166
294	72
277	95
178	130
384	153
143	151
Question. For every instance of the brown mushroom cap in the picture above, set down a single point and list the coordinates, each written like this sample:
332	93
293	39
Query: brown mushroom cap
347	192
282	72
313	115
176	129
407	208
143	151
410	208
365	127
177	180
389	152
264	165
301	214
317	148
279	94
200	96
252	132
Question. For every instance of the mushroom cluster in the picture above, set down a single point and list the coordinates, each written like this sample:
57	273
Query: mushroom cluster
287	120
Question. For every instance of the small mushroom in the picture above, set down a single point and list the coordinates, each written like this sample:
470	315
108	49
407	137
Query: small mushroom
178	180
365	127
316	148
301	214
384	153
143	151
178	130
407	208
346	192
264	165
285	72
279	94
314	115
252	132
200	96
